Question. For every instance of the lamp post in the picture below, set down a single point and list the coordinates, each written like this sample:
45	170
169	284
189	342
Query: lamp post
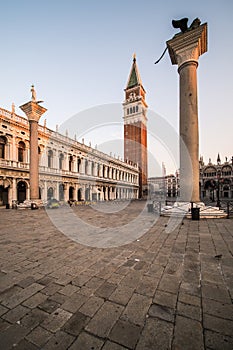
218	190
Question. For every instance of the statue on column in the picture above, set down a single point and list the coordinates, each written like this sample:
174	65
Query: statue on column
182	24
33	91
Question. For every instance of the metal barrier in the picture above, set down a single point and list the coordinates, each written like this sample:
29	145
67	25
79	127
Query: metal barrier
227	206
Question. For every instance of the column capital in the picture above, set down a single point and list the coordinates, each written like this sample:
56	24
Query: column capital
188	46
33	110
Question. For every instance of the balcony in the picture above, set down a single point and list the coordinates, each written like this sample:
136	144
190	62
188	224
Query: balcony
12	164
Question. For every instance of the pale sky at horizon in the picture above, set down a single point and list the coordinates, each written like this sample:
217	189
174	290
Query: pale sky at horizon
78	54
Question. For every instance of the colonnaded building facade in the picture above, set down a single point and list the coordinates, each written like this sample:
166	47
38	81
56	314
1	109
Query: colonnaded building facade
70	170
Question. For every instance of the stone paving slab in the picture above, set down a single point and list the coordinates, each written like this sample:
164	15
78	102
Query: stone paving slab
164	290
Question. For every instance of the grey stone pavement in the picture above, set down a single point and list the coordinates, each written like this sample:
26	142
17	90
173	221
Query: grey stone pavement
162	291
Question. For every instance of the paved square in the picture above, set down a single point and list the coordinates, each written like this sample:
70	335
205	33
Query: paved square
164	290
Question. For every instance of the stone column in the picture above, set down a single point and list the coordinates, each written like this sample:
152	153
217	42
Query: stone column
13	152
185	49
66	192
83	193
33	112
14	189
45	195
28	193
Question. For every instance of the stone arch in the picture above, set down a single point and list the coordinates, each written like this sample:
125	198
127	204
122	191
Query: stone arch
22	186
226	170
210	171
4	191
50	193
79	194
71	193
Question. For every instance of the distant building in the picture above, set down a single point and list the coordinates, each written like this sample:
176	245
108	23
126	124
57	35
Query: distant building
164	187
216	178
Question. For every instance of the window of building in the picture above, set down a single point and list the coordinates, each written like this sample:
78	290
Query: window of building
21	151
50	159
226	171
210	172
78	165
86	166
3	143
136	109
70	162
61	161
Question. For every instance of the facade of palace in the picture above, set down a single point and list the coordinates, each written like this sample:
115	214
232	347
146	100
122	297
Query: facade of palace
216	179
68	170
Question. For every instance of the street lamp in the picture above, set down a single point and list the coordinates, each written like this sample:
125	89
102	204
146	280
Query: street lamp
218	189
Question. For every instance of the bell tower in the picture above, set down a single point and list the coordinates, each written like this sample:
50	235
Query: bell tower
135	126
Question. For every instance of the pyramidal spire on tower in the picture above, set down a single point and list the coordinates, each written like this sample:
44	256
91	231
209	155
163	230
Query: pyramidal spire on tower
134	76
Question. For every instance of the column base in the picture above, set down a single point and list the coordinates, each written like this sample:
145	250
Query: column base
184	209
27	204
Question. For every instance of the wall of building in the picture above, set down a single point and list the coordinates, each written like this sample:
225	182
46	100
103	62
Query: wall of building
216	180
67	169
164	187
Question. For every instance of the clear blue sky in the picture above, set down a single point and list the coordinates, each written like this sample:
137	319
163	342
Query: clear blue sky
78	55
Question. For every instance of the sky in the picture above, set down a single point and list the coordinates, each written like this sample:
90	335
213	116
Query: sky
78	54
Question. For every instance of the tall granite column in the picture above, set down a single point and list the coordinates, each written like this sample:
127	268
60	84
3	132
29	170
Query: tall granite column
33	111
185	49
